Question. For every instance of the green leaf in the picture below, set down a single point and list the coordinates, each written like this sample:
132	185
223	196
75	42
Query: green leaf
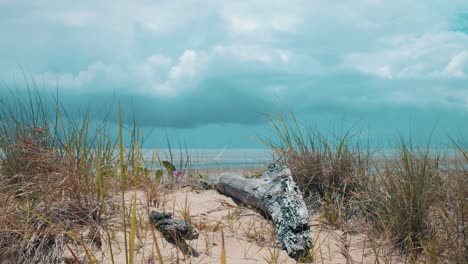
158	175
169	166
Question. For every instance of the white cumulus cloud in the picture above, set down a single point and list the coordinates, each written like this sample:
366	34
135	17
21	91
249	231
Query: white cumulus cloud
432	55
458	65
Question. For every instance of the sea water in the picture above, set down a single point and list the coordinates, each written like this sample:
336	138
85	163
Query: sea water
214	158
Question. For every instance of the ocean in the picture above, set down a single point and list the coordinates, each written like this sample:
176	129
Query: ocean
214	158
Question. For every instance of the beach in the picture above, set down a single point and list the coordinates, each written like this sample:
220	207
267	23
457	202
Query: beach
248	236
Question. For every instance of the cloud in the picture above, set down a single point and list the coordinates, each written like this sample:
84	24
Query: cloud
458	65
156	75
78	18
186	66
431	55
180	64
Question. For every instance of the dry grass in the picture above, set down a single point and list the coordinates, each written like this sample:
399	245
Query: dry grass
402	196
68	194
415	197
331	172
48	186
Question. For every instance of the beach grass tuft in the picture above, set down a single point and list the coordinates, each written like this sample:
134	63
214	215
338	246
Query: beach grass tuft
415	197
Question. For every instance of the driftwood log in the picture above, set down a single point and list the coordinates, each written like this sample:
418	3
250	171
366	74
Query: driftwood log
277	196
175	231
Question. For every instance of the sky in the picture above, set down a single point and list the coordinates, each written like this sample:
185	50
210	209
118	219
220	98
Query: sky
205	73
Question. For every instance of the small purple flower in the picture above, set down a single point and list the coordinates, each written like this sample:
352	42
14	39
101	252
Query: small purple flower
177	173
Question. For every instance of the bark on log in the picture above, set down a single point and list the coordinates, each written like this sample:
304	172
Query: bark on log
278	197
175	231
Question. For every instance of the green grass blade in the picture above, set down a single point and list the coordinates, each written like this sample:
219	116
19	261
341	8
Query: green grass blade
132	230
122	183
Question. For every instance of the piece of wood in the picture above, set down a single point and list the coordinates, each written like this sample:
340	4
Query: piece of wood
175	231
277	196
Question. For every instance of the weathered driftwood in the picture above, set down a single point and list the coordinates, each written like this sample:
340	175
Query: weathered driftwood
277	196
175	231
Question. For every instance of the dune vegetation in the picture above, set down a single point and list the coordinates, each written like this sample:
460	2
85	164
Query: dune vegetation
73	193
414	196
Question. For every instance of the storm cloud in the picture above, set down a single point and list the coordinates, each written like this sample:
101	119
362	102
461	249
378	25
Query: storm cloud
183	65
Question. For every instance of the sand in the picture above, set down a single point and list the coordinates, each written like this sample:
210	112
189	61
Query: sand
248	237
